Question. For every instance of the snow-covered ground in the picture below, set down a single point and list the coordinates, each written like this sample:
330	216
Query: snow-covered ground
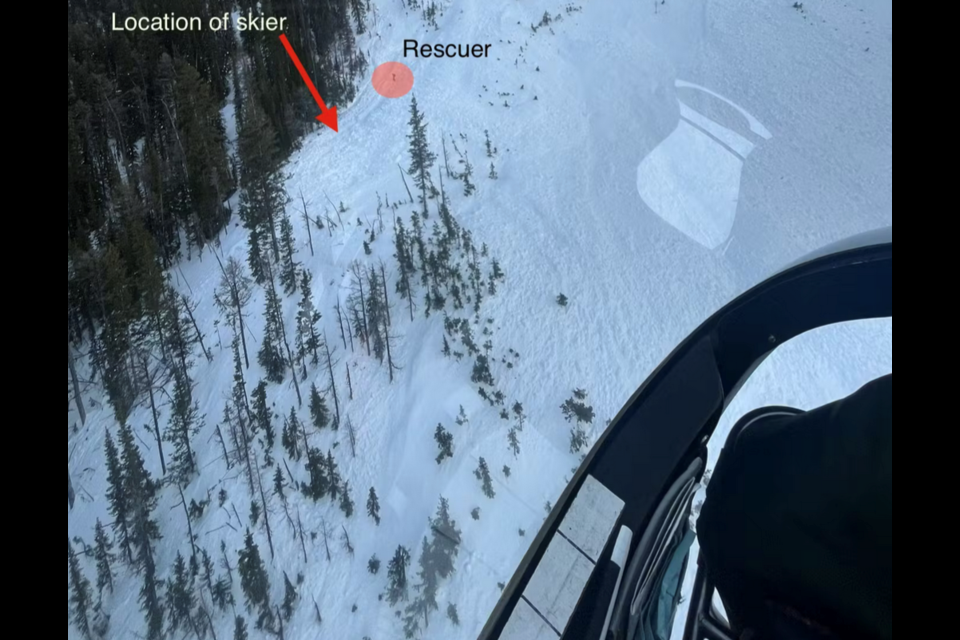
646	220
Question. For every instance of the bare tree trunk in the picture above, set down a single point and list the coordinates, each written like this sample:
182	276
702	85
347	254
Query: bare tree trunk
266	512
274	241
235	296
223	444
75	380
326	535
246	451
243	339
446	164
346	538
306	221
283	334
390	366
342	333
320	225
443	198
349	382
335	208
303	544
386	300
193	543
333	382
406	278
363	305
351	432
156	420
402	177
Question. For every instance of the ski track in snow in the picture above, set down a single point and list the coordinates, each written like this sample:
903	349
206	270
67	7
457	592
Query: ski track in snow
564	216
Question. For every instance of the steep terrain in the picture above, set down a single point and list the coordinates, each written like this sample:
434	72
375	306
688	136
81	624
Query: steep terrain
573	107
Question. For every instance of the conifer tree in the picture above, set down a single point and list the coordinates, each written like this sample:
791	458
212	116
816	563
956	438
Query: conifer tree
373	506
202	134
278	484
575	408
446	540
181	598
81	597
496	272
377	315
290	597
578	439
453	615
481	371
513	441
404	256
420	607
308	340
103	554
270	355
493	173
254	581
437	559
466	336
373	564
318	408
468	186
346	502
319	484
263	198
397	590
117	497
174	334
290	438
288	263
232	296
482	473
141	493
185	422
446	347
240	629
445	442
140	490
262	421
518	411
421	158
357	9
336	484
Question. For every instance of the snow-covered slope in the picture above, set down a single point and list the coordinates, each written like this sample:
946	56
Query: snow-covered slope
591	97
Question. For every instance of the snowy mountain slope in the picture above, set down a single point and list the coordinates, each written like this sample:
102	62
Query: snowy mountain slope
565	215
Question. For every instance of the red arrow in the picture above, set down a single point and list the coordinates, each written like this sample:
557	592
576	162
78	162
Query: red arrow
327	116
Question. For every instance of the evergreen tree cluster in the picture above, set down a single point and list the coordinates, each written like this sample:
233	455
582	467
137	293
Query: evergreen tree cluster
441	259
132	496
437	562
148	170
576	409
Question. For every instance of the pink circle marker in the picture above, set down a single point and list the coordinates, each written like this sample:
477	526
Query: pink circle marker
392	79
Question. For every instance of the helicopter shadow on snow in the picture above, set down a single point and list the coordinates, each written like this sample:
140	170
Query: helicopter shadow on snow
692	179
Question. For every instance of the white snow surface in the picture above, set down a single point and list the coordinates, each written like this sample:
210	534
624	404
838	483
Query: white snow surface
565	215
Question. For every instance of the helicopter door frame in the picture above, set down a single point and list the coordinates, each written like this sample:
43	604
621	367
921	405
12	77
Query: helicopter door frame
669	419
